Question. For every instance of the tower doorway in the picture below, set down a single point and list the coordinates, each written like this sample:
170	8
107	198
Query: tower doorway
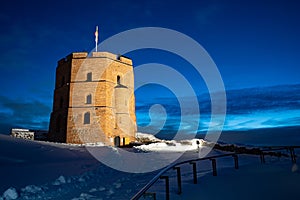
117	141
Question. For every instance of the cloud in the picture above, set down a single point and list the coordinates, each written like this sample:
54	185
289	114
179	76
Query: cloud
23	114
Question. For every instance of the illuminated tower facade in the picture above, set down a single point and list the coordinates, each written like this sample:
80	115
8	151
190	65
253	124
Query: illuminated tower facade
94	100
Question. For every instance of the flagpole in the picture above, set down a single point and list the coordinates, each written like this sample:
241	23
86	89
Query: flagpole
96	38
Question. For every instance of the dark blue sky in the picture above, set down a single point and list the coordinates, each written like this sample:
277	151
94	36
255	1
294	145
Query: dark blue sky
253	43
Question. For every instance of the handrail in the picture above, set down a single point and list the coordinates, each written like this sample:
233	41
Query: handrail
154	179
276	148
291	149
295	146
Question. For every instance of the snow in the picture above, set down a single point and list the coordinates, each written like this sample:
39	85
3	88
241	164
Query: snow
295	168
172	146
20	129
42	170
60	180
271	181
168	145
31	189
150	137
97	144
10	193
84	196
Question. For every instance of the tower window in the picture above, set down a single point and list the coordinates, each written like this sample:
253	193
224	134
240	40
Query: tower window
89	76
89	99
118	80
87	117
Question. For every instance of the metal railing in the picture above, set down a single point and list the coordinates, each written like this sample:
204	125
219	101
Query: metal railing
176	166
290	149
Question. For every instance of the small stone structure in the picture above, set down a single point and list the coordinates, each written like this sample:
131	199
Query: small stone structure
22	133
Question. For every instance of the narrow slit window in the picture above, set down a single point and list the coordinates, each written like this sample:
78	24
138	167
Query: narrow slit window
118	80
89	99
87	118
89	76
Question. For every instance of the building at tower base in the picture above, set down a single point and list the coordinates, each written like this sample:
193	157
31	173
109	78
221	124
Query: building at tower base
94	100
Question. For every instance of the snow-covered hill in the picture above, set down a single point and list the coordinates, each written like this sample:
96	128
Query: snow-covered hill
42	170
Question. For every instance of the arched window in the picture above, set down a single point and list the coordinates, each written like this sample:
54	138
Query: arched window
89	76
118	80
89	99
86	119
61	102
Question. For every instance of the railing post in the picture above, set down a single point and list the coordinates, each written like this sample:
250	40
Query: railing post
236	161
262	158
293	156
167	186
178	179
214	166
194	171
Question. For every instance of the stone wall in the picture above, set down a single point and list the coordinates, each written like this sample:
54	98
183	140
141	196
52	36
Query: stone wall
22	133
100	86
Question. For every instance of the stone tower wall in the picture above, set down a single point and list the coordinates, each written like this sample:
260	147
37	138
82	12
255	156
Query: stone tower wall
100	86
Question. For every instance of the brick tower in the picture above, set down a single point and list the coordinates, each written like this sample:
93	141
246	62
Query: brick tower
93	100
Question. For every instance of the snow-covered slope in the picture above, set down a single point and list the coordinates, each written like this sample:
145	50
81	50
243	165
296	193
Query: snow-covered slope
38	170
41	170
